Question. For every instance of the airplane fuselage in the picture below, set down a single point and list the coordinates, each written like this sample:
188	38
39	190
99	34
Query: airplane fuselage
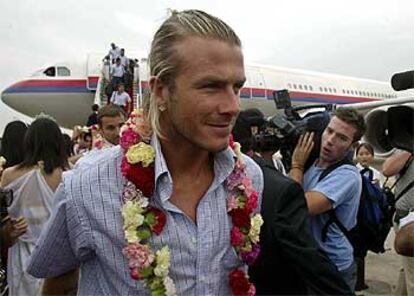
69	99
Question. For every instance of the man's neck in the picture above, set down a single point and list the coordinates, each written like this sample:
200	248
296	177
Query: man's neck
185	161
320	163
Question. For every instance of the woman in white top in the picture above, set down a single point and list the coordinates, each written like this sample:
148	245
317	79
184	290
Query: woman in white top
365	158
33	182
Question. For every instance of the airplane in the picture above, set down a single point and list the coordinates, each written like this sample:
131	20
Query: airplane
67	91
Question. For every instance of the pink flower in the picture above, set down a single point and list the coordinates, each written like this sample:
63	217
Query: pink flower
232	203
252	290
251	204
143	128
247	185
125	166
236	237
235	179
139	256
129	138
130	192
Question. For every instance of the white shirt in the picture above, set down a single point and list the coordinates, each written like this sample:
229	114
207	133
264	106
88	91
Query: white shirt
377	176
117	71
120	99
115	53
124	61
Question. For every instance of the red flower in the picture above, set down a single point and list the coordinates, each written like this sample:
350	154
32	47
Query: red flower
231	141
239	283
252	202
236	237
135	274
142	178
161	219
240	218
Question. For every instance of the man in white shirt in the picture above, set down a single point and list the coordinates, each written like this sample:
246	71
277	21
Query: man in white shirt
114	52
120	97
117	73
124	59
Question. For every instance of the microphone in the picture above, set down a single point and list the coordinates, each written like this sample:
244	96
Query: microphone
403	80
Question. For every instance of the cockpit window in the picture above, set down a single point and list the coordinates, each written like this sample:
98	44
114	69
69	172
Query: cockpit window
63	71
50	72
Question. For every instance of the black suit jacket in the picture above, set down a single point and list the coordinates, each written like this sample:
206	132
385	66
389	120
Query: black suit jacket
290	262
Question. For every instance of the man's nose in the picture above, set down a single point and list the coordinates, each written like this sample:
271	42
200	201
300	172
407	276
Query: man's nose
231	104
330	139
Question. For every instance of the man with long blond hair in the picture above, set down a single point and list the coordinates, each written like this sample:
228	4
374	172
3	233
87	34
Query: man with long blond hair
197	70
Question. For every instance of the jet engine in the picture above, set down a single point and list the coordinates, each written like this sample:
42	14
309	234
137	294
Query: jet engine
377	132
389	127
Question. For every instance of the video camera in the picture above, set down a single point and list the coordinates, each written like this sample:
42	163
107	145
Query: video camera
400	119
282	131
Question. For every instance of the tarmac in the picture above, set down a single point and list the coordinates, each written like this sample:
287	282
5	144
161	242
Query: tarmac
382	270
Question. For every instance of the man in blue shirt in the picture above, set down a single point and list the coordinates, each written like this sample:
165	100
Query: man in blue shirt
340	190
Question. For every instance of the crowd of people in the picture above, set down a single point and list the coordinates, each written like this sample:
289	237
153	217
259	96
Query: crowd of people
121	69
165	202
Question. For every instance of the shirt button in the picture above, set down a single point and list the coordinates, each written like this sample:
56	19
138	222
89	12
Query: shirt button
194	240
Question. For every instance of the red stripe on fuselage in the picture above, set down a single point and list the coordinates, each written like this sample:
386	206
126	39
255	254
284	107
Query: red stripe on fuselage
51	83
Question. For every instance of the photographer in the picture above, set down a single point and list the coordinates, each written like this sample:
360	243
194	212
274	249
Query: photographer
332	198
289	263
401	164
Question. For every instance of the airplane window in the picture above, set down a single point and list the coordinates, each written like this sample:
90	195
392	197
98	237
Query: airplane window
300	86
334	90
289	85
330	89
363	93
63	71
50	72
325	89
310	87
294	86
305	87
352	92
320	88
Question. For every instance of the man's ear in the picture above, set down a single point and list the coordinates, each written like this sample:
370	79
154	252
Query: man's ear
160	91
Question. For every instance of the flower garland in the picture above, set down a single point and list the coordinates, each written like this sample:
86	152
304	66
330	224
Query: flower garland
2	161
141	220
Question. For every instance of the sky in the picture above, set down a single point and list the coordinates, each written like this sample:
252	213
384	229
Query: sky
361	38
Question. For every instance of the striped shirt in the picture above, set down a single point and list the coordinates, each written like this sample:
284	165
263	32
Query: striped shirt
86	230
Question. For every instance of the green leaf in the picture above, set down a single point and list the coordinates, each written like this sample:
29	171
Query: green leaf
150	219
143	234
146	272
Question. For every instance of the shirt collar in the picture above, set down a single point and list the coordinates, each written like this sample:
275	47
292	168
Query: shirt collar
224	162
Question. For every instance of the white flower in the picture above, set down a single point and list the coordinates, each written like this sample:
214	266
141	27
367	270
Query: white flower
131	212
255	223
2	161
163	262
131	235
142	202
169	287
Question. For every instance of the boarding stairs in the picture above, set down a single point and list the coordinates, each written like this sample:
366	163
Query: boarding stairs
134	89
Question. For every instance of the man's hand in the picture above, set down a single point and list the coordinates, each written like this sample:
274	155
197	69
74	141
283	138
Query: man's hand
300	156
13	229
302	150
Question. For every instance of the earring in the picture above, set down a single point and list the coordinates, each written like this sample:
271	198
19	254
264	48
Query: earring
162	108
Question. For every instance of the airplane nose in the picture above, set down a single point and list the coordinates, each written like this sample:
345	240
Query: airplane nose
6	95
